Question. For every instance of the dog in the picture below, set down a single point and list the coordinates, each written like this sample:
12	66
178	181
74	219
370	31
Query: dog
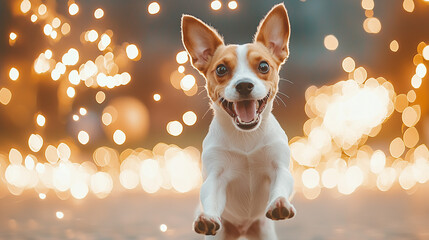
246	156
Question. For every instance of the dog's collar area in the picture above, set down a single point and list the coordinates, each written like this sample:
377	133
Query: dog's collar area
230	109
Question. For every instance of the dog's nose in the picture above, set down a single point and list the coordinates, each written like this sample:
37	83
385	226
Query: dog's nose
244	88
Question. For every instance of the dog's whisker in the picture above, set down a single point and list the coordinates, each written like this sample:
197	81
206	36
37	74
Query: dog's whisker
286	80
201	92
208	110
283	94
281	100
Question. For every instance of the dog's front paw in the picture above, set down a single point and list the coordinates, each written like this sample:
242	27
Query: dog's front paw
280	209
206	225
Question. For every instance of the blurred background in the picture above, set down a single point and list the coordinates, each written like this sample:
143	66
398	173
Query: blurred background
102	117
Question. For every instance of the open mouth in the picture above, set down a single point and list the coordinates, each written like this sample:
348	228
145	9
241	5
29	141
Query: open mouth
246	113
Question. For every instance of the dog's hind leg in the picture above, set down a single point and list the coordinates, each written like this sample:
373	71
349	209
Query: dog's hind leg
262	229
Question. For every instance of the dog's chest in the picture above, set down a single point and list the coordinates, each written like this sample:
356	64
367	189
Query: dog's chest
248	188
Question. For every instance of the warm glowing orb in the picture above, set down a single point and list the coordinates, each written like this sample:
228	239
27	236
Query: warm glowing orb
153	8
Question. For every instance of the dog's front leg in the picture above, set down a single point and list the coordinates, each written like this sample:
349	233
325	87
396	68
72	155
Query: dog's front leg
279	206
213	198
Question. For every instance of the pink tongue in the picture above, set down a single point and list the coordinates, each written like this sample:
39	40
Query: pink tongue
246	110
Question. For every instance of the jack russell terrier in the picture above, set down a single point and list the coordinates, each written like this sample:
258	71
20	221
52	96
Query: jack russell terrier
246	156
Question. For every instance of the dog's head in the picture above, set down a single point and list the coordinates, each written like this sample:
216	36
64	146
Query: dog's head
241	79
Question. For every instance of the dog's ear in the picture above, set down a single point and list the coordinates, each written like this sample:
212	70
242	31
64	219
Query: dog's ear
200	41
274	32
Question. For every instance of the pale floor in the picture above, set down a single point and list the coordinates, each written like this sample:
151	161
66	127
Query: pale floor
366	214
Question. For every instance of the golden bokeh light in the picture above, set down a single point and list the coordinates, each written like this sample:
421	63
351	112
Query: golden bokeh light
71	92
367	4
13	36
378	161
394	46
98	13
92	35
182	57
79	189
15	157
106	118
410	116
74	77
75	117
174	128
48	54
100	97
51	154
5	96
129	179
348	64
83	111
401	102
132	51
153	8
163	228
42	196
42	9
156	97
189	118
71	57
33	18
330	178
101	184
83	137
421	70
372	25
187	82
40	120
411	96
59	215
397	147
232	5
65	29
310	178
425	53
13	74
25	6
411	137
47	29
216	5
330	42
119	137
408	5
181	69
416	81
35	142
56	22
73	9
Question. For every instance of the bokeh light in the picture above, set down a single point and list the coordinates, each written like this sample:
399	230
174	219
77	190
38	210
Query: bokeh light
331	42
153	8
232	5
189	118
13	74
98	13
174	128
73	9
216	5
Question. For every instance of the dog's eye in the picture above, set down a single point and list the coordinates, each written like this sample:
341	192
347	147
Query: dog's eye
263	67
221	70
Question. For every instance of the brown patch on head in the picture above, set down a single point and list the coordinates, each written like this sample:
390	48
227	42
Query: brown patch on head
258	53
226	55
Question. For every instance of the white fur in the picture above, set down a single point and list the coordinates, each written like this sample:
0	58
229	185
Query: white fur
244	172
244	73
